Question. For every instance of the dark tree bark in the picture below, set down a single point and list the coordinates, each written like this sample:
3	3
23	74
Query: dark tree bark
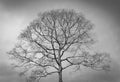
60	76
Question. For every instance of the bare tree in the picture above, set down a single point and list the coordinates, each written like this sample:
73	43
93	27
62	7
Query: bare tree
55	41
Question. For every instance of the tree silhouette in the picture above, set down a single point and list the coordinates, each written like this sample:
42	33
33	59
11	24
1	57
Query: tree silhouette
55	41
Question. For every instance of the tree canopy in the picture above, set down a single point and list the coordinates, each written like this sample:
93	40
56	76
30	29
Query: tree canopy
54	41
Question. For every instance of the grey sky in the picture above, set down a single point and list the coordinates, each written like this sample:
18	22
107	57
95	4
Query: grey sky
16	14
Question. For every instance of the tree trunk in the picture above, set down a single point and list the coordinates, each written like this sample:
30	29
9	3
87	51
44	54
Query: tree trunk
60	76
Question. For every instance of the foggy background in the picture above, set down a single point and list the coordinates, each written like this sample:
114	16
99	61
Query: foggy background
15	15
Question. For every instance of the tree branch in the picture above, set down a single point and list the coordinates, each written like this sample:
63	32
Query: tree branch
72	64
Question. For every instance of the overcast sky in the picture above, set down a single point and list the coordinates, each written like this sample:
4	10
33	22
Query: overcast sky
15	15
